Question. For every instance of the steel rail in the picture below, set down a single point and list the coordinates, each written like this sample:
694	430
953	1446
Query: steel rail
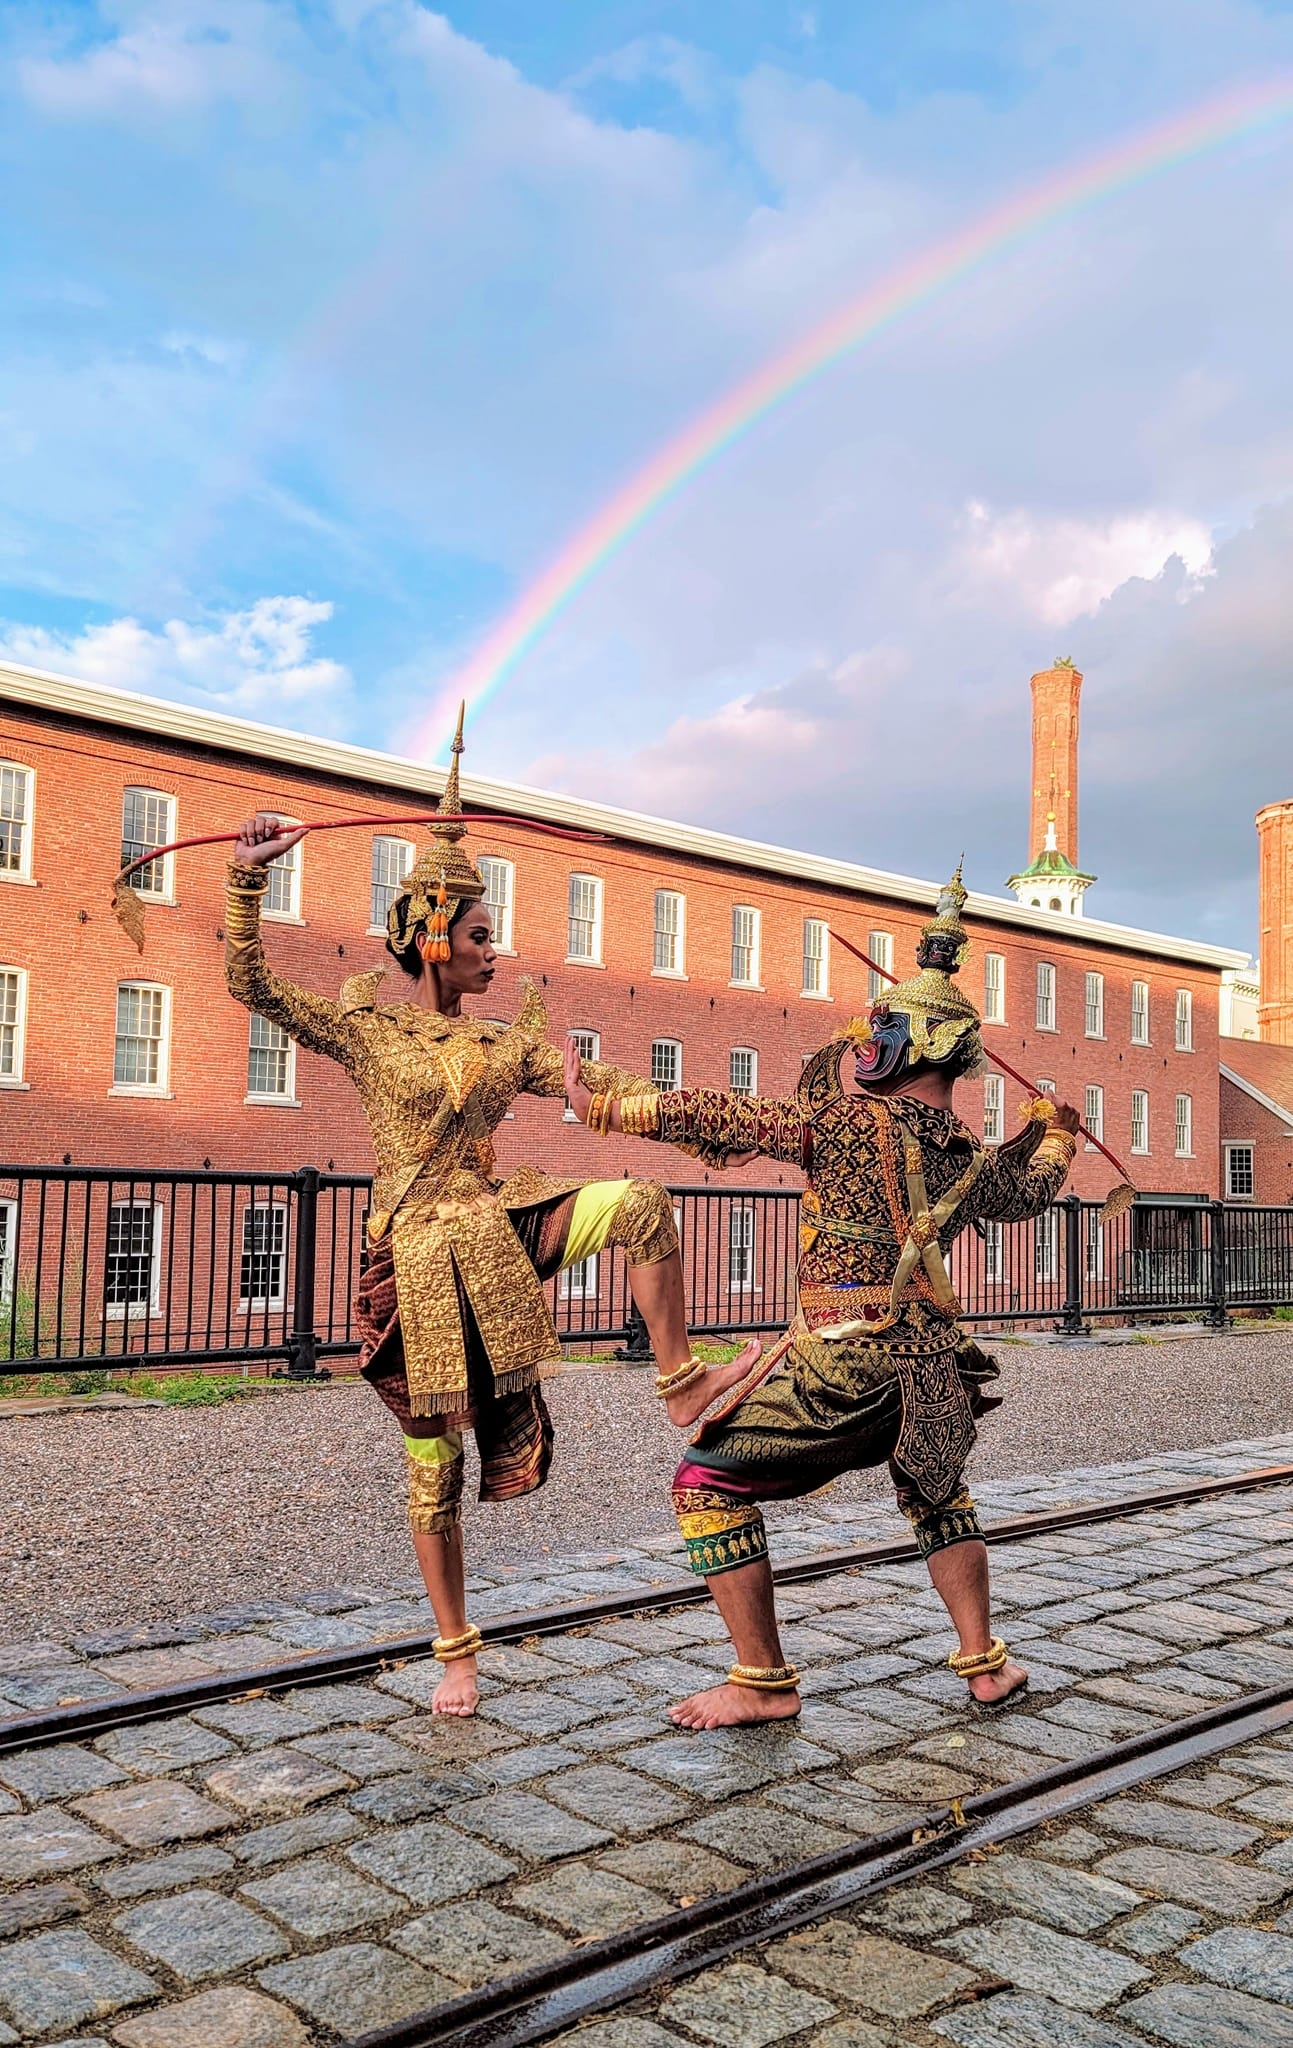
547	1998
80	1719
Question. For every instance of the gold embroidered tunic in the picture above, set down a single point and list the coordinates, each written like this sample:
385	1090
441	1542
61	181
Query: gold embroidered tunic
892	1181
434	1089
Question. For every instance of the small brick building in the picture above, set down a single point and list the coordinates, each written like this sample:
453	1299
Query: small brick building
690	955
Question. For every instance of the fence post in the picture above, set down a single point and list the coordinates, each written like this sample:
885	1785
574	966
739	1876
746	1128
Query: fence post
638	1349
1218	1319
303	1342
1070	1323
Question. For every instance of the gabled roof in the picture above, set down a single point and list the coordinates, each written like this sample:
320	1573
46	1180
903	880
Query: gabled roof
160	719
1263	1072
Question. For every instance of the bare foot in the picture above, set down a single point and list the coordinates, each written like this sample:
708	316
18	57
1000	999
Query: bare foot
733	1706
685	1408
456	1692
992	1687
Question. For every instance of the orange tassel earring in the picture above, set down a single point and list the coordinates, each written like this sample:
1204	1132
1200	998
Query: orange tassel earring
438	930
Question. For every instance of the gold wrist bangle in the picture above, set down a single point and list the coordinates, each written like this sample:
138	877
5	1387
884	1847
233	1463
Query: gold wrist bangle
448	1649
770	1678
640	1115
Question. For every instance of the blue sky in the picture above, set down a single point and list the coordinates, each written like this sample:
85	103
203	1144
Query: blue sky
322	325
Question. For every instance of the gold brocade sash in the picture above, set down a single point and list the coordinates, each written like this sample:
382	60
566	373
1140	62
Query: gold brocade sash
923	1223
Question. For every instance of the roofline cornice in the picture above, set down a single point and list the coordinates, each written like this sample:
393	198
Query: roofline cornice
159	718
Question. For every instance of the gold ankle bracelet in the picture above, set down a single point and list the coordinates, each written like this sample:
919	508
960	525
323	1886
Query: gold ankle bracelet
448	1649
770	1678
682	1377
978	1663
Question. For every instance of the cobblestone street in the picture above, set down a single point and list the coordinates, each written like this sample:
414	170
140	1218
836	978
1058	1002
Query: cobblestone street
304	1867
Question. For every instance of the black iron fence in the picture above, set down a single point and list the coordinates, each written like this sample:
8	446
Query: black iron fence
108	1268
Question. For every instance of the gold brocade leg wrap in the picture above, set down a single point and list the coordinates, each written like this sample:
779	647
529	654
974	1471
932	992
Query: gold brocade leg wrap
938	1528
719	1538
435	1466
643	1224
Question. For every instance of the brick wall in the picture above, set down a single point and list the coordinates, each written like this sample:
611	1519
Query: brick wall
61	931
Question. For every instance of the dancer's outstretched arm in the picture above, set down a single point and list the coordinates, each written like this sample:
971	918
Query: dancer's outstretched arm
713	1124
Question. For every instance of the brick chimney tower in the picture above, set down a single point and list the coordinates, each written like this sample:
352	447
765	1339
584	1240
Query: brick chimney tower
1275	858
1052	879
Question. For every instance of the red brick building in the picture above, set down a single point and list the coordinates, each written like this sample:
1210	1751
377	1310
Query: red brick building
1256	1121
693	955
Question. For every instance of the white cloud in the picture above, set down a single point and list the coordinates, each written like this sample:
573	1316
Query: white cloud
174	59
256	662
206	348
1059	568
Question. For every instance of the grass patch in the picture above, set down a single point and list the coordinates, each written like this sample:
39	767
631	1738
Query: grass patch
177	1389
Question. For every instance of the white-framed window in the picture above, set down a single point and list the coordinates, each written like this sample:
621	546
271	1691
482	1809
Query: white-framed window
1139	1120
499	877
740	1248
1240	1177
1046	1246
584	933
271	1062
8	1262
666	1063
743	1070
133	1259
392	859
994	1109
1095	1005
879	947
1045	996
1140	1013
1184	1020
1045	1086
1093	1116
817	957
588	1044
745	946
1094	1250
579	1282
147	820
669	936
13	1025
262	1273
1185	1127
282	899
994	988
141	1056
993	1252
16	791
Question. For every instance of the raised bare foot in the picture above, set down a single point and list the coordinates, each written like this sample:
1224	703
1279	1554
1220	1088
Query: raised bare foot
733	1706
990	1688
457	1692
687	1407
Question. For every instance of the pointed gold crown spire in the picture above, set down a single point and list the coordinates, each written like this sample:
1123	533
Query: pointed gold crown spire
443	875
940	1013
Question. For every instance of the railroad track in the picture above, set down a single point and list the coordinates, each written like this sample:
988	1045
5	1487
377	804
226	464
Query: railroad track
87	1718
536	2003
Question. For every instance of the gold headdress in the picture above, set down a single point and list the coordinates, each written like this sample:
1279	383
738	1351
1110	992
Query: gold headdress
939	1015
442	876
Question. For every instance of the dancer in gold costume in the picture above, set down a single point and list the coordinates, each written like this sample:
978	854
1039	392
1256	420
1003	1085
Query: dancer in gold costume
452	1311
874	1367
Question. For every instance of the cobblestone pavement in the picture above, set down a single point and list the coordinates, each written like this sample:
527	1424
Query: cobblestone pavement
297	1868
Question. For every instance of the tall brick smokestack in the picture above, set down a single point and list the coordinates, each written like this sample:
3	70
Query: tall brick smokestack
1056	692
1275	857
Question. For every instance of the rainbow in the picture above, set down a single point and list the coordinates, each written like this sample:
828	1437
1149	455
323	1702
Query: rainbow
1221	119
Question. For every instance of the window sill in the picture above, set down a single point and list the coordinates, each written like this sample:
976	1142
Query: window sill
271	1102
669	974
157	902
144	1093
1139	1152
1142	1044
133	1312
749	988
260	1308
1096	1037
1184	1048
281	917
18	881
575	960
1049	1030
505	953
1001	1021
12	1081
816	995
1183	1155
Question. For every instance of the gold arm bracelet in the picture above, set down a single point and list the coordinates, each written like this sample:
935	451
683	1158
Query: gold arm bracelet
978	1663
640	1115
773	1678
682	1377
448	1649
